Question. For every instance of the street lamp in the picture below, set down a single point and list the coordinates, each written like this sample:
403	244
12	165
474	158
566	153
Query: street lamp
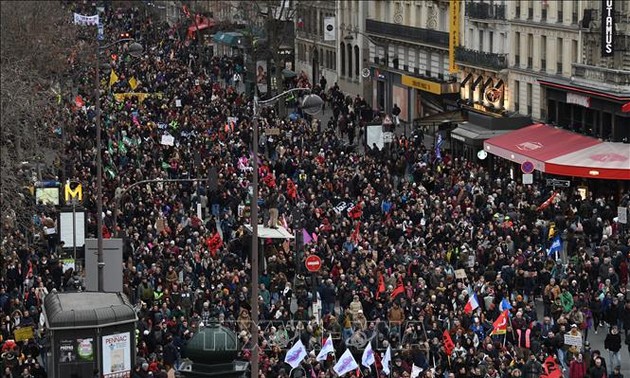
135	49
311	105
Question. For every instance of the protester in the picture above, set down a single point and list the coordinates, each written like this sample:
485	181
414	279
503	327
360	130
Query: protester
422	256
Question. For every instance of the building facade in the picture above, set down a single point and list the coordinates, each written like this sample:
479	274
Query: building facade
588	97
409	57
316	50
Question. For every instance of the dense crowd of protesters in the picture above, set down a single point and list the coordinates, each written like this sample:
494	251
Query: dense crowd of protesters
392	228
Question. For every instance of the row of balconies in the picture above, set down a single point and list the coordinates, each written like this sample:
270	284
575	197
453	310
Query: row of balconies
481	59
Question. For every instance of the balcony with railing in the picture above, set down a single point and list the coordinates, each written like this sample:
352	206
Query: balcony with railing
406	33
485	11
607	78
476	58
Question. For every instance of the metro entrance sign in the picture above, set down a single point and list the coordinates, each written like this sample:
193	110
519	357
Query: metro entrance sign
313	263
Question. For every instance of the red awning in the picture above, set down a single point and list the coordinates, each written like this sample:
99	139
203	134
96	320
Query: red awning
561	152
200	23
537	143
604	160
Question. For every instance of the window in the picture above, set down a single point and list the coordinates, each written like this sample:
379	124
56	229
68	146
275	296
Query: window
357	62
349	53
517	94
517	49
491	41
518	9
334	60
574	51
530	10
560	13
543	53
530	50
559	57
574	13
343	59
480	39
529	99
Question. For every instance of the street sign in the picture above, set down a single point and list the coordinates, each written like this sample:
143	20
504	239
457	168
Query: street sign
313	263
527	167
559	183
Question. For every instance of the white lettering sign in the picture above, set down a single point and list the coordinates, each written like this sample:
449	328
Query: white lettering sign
608	27
577	99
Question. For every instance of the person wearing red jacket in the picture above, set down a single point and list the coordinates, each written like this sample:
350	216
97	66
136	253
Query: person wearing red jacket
577	367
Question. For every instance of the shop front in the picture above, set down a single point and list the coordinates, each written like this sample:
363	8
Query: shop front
587	111
468	137
427	97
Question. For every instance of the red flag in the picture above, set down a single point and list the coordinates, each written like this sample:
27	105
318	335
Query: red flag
625	108
355	234
548	202
291	189
381	285
214	243
499	327
551	369
356	211
186	11
449	345
78	101
400	288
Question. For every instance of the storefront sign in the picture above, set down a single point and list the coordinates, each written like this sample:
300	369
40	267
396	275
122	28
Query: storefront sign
493	95
573	98
458	137
422	84
608	27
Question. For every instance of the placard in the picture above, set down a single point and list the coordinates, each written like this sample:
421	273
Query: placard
573	340
460	274
23	334
273	131
167	140
178	103
622	215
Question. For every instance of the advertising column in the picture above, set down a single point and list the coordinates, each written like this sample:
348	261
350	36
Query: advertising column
117	355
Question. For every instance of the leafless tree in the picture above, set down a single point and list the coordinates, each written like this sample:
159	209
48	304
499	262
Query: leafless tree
36	40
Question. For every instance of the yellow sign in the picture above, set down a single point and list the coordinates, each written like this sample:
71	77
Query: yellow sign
422	84
71	194
23	334
453	40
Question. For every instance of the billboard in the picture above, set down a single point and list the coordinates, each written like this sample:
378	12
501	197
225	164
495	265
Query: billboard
116	351
261	76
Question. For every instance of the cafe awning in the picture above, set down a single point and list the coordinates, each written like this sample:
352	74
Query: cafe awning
562	152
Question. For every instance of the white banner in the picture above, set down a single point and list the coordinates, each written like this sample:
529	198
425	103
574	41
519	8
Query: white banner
116	354
375	136
330	29
80	19
167	140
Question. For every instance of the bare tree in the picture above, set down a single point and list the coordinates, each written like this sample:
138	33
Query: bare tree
36	40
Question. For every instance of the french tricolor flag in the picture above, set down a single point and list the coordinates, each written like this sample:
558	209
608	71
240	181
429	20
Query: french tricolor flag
472	304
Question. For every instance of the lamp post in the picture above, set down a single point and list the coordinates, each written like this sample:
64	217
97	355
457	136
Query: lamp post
311	105
134	49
